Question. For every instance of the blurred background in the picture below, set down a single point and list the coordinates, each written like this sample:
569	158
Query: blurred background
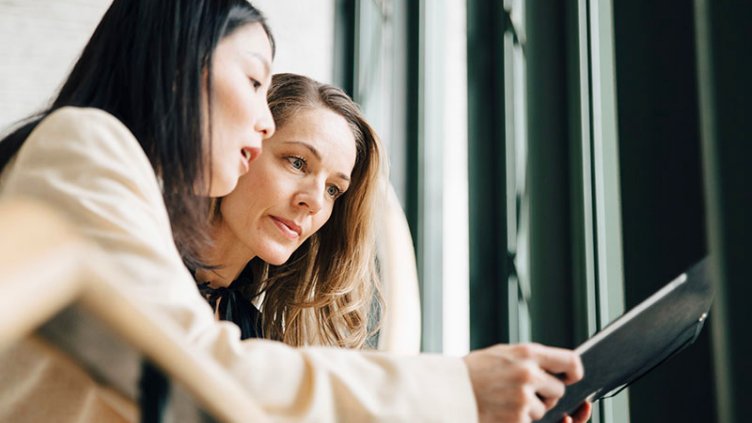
557	161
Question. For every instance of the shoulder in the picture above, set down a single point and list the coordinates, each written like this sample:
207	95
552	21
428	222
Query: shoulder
84	138
83	117
85	131
82	120
81	149
87	165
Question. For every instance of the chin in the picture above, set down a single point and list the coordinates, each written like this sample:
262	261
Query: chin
222	186
276	258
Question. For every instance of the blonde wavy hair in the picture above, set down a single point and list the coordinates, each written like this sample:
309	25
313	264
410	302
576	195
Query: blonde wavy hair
326	292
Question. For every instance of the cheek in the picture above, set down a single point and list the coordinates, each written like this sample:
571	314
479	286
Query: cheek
220	175
225	124
258	180
239	212
223	169
221	130
231	103
321	220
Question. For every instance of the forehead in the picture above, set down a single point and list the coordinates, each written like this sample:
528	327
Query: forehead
249	40
328	132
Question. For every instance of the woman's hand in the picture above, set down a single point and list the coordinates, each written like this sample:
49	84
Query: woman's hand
516	383
581	415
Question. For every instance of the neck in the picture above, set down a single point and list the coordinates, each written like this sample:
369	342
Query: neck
228	254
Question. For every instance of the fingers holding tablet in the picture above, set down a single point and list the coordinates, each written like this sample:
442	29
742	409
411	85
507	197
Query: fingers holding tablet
516	383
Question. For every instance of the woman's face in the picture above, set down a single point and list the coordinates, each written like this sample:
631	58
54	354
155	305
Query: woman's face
289	191
240	116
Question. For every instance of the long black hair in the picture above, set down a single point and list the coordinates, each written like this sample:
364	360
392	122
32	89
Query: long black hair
144	65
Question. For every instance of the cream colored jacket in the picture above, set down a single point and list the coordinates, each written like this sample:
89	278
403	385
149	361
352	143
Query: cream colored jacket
87	165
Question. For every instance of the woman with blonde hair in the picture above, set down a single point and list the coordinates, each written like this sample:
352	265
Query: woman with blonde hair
298	230
296	238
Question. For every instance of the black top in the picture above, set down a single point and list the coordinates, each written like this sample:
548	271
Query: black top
232	305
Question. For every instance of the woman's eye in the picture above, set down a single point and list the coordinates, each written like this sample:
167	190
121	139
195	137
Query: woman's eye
333	191
297	163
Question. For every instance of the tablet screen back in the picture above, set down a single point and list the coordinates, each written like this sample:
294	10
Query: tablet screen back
641	339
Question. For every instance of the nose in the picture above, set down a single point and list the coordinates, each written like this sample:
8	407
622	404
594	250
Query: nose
311	197
265	123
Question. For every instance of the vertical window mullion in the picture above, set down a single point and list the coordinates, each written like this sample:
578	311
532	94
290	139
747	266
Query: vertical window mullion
587	235
606	187
489	264
722	34
512	199
516	158
430	139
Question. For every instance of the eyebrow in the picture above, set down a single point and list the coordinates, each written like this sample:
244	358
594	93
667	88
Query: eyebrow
316	153
262	59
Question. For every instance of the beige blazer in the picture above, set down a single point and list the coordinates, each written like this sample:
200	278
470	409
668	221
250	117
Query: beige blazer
87	165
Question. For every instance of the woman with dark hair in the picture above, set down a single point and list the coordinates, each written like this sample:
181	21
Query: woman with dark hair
165	108
153	81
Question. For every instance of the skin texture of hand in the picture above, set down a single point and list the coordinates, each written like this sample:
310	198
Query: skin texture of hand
581	415
515	383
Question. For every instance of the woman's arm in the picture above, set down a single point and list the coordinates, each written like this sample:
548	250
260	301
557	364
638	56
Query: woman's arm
85	164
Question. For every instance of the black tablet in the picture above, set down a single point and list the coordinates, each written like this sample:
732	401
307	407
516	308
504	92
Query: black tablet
640	340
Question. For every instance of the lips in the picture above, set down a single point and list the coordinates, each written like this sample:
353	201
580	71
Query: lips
249	154
288	227
244	162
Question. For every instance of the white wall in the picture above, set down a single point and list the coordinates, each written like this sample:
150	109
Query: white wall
304	32
41	39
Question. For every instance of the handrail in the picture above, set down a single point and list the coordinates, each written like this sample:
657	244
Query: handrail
48	267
